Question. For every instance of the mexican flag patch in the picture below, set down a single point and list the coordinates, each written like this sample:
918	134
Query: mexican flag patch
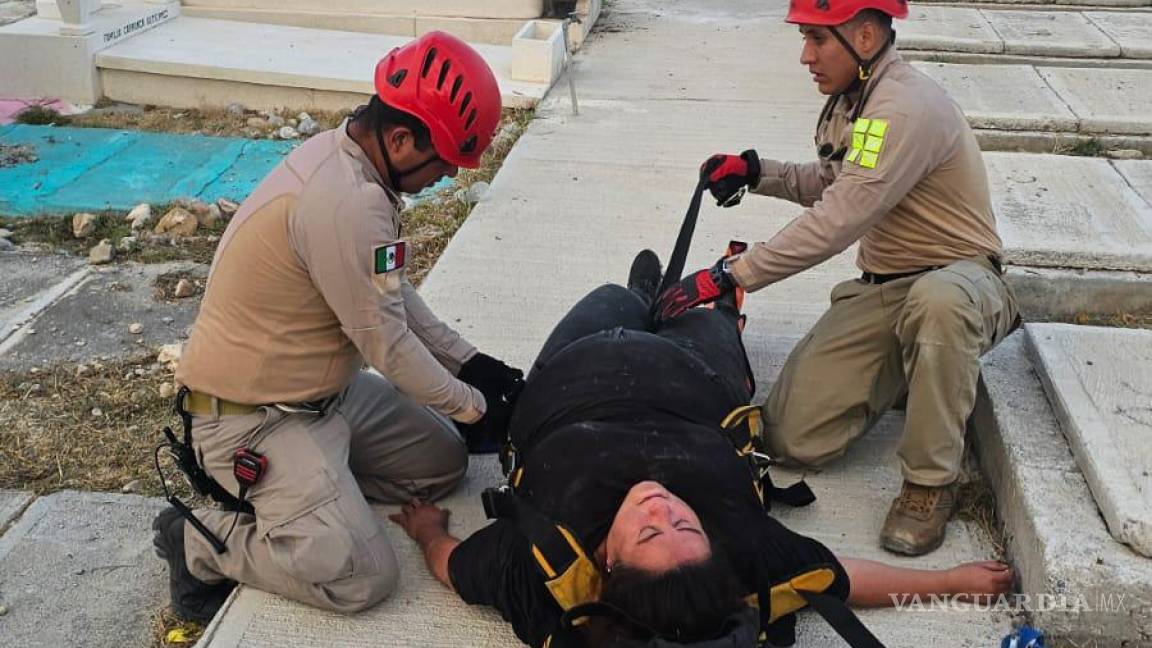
391	256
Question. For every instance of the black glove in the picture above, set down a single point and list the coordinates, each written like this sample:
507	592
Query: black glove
728	176
701	287
500	385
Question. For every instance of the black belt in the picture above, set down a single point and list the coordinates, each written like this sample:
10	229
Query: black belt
876	279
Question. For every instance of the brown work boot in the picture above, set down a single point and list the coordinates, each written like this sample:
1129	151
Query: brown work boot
916	521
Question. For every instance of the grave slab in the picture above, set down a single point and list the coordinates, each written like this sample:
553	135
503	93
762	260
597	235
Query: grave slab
1050	33
24	278
1073	212
1004	97
1130	30
12	504
1099	381
93	319
1138	173
1086	589
79	569
952	29
1105	100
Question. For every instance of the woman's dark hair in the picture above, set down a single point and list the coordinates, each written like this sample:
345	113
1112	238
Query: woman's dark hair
688	603
378	115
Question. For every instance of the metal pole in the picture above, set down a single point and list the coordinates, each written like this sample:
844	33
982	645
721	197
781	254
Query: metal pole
569	61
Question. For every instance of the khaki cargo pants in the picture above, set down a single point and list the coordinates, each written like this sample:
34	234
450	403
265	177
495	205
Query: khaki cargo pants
314	537
921	336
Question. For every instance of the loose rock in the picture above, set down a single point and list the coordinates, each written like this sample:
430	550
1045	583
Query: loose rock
141	212
184	288
135	328
235	109
227	207
287	132
83	224
256	122
132	486
97	412
303	115
308	126
178	221
169	354
275	120
127	244
101	253
167	390
5	233
6	245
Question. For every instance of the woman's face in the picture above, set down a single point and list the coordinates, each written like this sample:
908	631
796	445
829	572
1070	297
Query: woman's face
655	531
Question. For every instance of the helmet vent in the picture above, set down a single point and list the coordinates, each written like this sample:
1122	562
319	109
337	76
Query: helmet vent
397	78
471	118
429	58
468	146
456	88
444	67
464	104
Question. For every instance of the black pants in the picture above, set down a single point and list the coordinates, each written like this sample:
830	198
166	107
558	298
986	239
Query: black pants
710	334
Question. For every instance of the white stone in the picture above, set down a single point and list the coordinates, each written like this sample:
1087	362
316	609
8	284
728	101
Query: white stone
184	288
169	353
1051	33
140	213
5	232
83	225
287	132
308	126
167	390
1099	381
256	122
303	116
1130	29
132	486
275	120
227	207
1074	212
6	245
1105	100
951	29
127	244
235	109
136	328
177	221
1005	97
102	253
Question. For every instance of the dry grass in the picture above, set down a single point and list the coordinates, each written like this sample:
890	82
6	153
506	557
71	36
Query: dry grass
1117	320
95	431
203	121
976	503
166	625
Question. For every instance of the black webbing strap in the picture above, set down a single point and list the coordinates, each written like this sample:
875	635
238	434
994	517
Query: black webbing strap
843	620
684	239
503	503
796	495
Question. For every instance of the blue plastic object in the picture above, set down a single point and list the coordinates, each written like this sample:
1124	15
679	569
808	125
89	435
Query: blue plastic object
93	169
1023	637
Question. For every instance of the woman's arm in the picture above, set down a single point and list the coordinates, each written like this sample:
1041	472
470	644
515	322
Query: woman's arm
875	584
427	524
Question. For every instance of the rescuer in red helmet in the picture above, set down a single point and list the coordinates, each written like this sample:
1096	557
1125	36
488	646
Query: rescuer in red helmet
898	170
307	287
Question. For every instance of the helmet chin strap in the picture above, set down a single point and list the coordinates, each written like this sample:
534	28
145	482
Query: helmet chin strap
395	176
863	66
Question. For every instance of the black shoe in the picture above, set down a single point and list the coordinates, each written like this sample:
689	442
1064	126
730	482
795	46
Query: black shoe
644	277
192	599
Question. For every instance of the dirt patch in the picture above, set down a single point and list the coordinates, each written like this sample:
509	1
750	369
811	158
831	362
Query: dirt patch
165	287
238	122
17	154
1115	320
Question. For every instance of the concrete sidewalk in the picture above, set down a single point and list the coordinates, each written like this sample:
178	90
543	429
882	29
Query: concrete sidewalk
576	198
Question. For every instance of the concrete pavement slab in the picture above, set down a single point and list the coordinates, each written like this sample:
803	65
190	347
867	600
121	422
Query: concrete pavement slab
24	277
1005	97
1075	212
1129	29
12	504
78	569
1099	381
1086	588
93	319
1138	173
1106	101
953	29
1050	33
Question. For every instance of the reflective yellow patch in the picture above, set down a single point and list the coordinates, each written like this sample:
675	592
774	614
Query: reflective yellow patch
867	142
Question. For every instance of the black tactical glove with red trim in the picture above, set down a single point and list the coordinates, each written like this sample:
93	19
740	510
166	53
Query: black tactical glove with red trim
698	288
729	176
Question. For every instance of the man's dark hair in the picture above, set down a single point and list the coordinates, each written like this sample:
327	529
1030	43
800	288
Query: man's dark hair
688	603
875	16
377	115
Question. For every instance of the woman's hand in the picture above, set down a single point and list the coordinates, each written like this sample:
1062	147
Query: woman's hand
423	522
984	578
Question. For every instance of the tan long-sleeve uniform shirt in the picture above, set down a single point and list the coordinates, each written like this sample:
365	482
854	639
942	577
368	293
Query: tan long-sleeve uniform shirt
911	186
297	302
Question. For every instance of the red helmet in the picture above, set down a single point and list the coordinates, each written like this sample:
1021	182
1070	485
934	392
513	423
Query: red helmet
444	83
837	12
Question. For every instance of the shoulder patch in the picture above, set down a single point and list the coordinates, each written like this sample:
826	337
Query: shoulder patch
867	142
390	256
